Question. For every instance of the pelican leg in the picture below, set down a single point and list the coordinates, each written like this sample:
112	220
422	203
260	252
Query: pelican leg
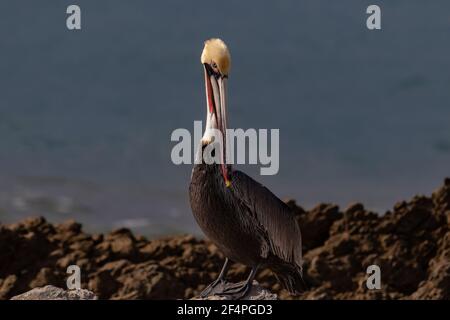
210	289
240	290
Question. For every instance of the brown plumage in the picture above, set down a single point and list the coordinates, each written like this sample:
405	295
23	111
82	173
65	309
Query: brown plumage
242	217
248	223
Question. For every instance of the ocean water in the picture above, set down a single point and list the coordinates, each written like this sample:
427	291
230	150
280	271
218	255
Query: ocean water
86	116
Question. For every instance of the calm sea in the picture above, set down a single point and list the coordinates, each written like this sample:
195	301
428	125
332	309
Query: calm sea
86	116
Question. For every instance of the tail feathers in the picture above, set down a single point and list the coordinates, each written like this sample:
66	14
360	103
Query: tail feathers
290	277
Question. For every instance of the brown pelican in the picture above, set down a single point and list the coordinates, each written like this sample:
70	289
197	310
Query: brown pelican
246	221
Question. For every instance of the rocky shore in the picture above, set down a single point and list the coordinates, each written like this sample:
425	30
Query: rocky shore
410	244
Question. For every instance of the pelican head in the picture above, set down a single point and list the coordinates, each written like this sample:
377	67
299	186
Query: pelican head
216	55
216	62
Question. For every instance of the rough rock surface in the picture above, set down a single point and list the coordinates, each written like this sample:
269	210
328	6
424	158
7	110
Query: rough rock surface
54	293
410	243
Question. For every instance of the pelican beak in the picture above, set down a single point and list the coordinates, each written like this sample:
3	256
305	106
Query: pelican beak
216	96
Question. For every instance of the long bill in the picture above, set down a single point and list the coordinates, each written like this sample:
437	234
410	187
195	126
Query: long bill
216	96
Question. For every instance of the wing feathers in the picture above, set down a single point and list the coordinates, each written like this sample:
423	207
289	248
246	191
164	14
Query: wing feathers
272	215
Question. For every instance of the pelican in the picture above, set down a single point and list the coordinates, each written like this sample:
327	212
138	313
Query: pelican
244	219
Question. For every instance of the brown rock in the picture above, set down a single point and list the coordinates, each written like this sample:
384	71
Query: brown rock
410	243
7	285
315	225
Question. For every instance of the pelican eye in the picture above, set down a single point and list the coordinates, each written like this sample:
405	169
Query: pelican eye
215	68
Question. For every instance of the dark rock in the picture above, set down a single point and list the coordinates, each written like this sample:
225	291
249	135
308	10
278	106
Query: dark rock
315	225
411	245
